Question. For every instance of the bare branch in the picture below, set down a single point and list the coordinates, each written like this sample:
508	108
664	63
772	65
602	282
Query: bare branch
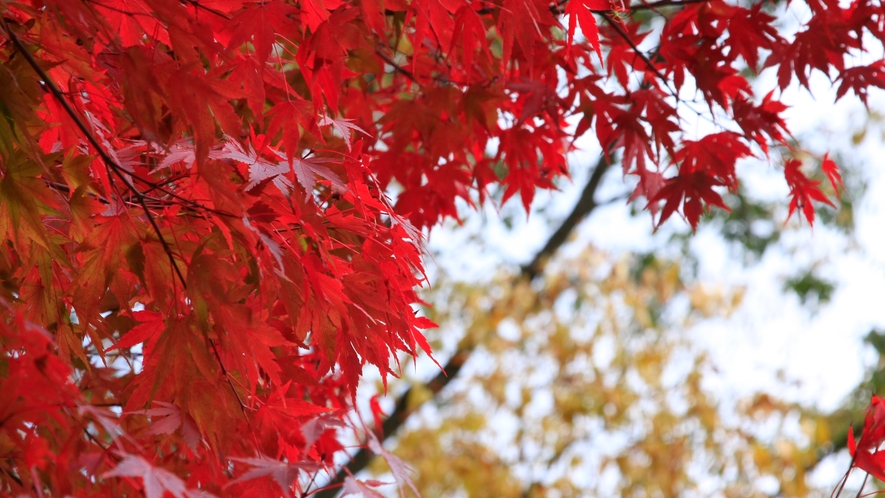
663	3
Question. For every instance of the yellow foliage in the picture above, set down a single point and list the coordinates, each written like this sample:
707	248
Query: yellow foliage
588	387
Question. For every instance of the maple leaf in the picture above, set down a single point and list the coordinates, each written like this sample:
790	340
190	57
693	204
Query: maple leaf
181	151
157	481
315	427
362	488
858	79
378	414
316	12
691	191
308	167
284	474
581	11
148	330
286	116
260	169
172	419
751	30
831	169
132	20
260	22
803	191
716	154
703	164
398	468
106	419
272	246
342	126
469	30
865	453
757	121
204	100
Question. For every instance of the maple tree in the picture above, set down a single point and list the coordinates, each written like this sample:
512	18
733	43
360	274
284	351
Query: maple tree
198	236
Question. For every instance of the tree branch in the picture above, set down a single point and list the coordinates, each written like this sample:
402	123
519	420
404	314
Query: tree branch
586	203
663	3
403	409
396	67
639	53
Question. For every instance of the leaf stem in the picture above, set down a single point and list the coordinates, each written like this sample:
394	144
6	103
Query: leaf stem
862	485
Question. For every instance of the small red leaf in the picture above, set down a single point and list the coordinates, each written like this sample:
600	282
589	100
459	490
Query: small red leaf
398	468
361	488
831	169
803	191
581	11
284	474
157	481
689	190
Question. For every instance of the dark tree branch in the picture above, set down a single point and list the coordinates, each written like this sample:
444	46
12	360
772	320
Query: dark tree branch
403	409
663	3
586	203
396	67
558	7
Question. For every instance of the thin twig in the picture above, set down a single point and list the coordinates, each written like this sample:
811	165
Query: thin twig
396	67
863	485
626	36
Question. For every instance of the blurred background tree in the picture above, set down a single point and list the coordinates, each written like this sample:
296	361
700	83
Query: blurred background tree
585	384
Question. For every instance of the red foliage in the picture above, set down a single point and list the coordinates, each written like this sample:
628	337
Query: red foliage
865	452
194	210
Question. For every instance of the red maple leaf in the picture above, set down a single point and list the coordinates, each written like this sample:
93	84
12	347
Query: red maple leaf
581	11
865	453
858	79
691	191
168	418
831	169
342	126
283	473
803	191
398	468
362	488
157	481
